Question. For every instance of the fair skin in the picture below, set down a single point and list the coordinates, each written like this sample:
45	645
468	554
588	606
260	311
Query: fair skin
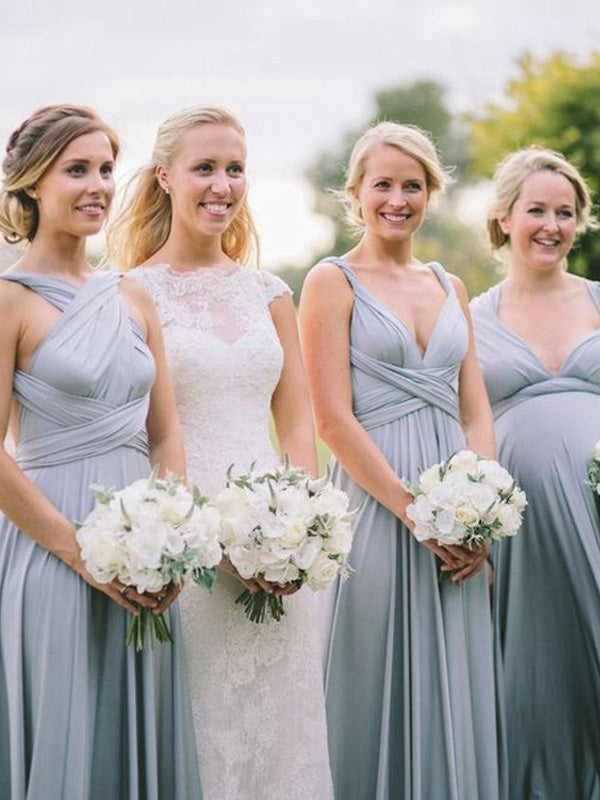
207	185
393	199
74	196
549	309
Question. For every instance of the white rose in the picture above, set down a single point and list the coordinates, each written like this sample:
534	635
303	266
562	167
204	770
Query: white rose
331	501
510	517
596	451
519	499
480	496
104	557
285	572
497	477
340	540
429	478
322	573
467	515
306	556
294	501
465	461
245	560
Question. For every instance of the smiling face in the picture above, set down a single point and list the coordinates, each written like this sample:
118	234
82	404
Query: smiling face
392	194
541	224
207	179
75	193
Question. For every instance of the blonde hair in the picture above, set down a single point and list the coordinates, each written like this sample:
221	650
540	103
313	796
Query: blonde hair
510	176
144	224
31	150
409	139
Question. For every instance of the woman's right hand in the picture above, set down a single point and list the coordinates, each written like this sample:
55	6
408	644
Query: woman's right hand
124	596
452	557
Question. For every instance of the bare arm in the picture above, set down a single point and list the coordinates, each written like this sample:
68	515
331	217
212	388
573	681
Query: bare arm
475	411
164	431
476	415
291	401
325	310
20	500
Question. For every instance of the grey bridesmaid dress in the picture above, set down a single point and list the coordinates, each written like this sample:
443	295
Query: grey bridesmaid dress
82	717
547	584
409	674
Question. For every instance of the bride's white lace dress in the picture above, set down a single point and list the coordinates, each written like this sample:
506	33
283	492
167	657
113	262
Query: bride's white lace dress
256	689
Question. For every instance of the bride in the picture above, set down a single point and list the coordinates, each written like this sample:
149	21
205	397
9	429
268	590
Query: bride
233	350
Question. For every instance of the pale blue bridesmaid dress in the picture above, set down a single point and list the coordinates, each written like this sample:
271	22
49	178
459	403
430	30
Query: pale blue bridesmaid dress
82	717
410	673
547	584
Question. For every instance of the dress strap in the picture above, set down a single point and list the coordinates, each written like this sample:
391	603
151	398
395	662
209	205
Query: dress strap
345	267
442	276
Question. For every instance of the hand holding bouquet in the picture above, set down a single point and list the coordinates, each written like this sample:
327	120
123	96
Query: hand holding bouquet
466	500
152	533
287	528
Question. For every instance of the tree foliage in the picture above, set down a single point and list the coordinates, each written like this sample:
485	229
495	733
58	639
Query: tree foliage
552	103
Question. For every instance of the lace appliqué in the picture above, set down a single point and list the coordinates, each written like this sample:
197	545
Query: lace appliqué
256	690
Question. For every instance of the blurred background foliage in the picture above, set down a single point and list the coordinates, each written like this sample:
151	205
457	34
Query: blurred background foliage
554	102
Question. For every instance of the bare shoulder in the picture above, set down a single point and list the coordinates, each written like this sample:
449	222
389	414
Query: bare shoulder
13	298
136	291
327	282
459	286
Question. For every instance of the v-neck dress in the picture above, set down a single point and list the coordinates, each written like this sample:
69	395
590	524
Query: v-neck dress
409	673
547	584
81	715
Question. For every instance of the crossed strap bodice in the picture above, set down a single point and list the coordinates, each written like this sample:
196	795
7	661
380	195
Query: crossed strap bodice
86	390
399	391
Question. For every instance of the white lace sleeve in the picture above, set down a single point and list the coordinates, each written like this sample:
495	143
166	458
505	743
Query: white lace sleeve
272	286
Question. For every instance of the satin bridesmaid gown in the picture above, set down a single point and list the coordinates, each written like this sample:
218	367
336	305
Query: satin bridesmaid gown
547	583
81	715
410	674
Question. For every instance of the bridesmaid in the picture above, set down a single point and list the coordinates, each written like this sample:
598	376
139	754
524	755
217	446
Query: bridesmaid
388	348
538	342
81	715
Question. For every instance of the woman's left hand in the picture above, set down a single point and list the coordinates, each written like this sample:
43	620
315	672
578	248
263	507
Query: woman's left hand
476	562
166	597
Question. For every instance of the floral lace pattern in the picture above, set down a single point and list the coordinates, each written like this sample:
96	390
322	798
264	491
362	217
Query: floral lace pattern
256	690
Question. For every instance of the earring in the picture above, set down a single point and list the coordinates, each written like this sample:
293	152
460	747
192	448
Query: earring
167	190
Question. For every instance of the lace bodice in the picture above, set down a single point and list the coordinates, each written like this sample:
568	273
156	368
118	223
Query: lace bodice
225	360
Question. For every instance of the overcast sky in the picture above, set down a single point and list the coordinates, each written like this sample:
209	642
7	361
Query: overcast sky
296	73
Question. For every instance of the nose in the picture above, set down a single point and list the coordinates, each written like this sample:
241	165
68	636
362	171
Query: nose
220	184
397	198
551	221
96	182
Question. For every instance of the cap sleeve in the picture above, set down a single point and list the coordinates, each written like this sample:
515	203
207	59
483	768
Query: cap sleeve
272	286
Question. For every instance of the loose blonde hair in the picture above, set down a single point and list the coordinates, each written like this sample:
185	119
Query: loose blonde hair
409	139
510	176
31	150
144	224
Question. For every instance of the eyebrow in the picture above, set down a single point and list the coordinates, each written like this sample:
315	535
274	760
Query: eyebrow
544	203
85	161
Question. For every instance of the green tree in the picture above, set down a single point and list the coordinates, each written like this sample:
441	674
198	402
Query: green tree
555	103
443	236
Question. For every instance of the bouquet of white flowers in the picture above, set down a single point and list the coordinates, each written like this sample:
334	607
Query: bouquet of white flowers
594	470
286	527
466	500
148	535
